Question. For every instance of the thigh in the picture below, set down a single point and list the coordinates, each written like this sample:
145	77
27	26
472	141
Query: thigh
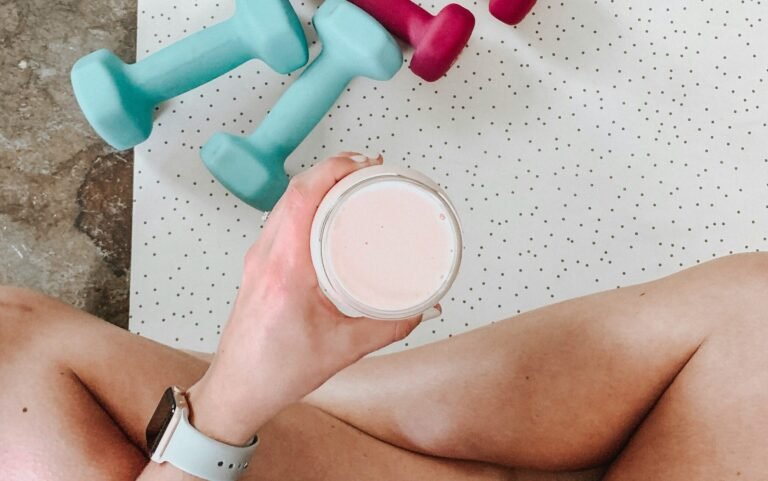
304	443
54	429
711	423
77	394
560	388
74	391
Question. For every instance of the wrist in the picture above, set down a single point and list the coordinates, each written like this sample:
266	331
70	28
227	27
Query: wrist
220	414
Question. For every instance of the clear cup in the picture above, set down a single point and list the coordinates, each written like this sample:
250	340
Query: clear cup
386	243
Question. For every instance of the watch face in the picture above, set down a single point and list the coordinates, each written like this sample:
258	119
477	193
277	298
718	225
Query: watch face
159	422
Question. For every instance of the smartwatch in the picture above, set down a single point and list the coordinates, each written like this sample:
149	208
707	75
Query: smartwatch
171	438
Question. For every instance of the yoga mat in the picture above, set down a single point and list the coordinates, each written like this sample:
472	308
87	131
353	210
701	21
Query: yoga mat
596	145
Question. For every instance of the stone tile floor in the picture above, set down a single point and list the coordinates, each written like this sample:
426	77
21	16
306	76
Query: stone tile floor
65	196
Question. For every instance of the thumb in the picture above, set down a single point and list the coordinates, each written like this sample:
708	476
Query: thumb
374	334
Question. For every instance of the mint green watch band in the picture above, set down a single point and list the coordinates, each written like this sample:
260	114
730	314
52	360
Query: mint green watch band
195	453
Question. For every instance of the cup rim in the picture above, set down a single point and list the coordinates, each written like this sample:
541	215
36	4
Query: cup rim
361	179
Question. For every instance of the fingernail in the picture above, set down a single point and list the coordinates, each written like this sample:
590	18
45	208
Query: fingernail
361	158
431	313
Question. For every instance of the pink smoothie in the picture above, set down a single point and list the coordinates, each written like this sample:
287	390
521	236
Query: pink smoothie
391	245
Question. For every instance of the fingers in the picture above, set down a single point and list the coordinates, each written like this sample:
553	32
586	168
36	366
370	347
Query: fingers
432	313
373	334
308	188
348	154
294	213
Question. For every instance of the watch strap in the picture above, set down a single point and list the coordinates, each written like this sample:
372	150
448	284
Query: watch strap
197	454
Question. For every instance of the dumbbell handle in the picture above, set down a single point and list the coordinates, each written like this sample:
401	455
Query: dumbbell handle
403	18
301	107
189	63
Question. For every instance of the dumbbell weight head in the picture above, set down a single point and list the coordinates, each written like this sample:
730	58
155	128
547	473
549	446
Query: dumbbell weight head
274	33
341	26
116	110
442	42
247	169
511	12
354	44
119	99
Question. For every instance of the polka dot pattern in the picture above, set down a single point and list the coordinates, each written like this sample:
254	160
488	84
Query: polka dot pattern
596	145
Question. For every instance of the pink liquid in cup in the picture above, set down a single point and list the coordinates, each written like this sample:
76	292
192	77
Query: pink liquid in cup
390	244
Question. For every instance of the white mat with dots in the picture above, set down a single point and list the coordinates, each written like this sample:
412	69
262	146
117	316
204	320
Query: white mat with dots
598	144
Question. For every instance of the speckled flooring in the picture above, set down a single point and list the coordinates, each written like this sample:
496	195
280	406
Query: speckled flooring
65	197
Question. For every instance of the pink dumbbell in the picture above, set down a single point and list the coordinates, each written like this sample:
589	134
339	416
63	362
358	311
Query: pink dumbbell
436	39
511	11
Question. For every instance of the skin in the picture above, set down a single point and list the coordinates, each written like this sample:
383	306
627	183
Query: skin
636	373
665	380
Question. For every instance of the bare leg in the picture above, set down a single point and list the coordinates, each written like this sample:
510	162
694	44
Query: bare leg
712	422
565	387
77	394
97	389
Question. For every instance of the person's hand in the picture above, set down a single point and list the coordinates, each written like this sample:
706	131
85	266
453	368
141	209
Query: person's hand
284	337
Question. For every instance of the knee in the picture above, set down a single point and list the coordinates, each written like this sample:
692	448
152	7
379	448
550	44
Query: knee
749	271
18	303
742	287
23	314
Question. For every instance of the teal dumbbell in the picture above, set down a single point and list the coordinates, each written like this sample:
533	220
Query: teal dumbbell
354	44
119	99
